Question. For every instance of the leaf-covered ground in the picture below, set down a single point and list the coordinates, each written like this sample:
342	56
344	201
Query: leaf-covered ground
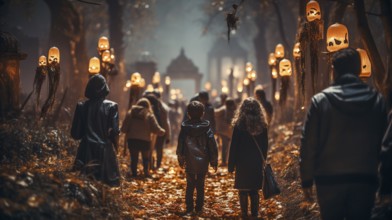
36	181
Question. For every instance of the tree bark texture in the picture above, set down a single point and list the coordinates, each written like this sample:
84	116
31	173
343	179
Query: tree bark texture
261	51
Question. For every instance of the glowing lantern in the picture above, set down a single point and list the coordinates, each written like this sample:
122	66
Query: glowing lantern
135	79
167	80
313	11
94	66
279	51
240	88
297	51
253	75
150	88
156	79
272	59
54	55
246	81
366	66
42	61
285	67
277	96
337	37
103	43
274	73
106	56
225	90
142	83
207	86
248	67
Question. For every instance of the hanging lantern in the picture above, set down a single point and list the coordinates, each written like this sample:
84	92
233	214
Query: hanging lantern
337	37
167	80
272	59
103	43
94	66
156	79
106	56
42	61
285	67
248	67
135	79
279	51
297	51
54	55
366	65
274	73
313	11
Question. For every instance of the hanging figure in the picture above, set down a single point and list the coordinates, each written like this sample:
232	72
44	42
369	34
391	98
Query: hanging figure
54	79
232	19
39	78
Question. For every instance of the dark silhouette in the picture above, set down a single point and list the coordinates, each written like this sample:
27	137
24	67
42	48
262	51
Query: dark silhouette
341	141
259	94
96	124
250	125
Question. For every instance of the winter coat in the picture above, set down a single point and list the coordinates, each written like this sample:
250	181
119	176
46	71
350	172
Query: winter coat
197	146
342	134
95	123
245	158
223	119
139	123
386	160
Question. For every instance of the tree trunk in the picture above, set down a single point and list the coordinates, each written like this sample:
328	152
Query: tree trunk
115	31
386	17
259	43
369	44
281	27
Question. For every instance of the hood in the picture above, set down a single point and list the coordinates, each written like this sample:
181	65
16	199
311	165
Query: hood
138	112
96	87
350	95
195	128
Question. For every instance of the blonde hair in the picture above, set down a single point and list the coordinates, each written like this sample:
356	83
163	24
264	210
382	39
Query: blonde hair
251	117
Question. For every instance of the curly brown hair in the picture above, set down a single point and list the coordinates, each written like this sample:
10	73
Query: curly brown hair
251	117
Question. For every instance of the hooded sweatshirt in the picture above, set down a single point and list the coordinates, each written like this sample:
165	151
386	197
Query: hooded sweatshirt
342	135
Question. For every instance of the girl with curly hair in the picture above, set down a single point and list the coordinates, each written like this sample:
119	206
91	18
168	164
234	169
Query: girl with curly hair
250	132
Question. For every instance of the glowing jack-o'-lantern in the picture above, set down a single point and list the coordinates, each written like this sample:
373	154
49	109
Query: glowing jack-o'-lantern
366	65
94	66
42	61
271	59
313	11
274	73
135	79
337	37
106	56
279	51
297	51
54	55
285	67
103	43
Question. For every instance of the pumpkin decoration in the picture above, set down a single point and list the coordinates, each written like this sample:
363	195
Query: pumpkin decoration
54	55
366	65
337	37
285	67
313	11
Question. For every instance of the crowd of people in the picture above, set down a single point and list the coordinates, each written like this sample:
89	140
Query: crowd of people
345	139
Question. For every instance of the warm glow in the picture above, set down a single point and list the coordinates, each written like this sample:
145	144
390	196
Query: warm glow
112	57
279	51
224	83
136	79
103	43
274	73
225	90
297	50
54	55
285	67
277	95
106	56
214	93
160	89
246	81
156	79
337	37
172	91
207	86
167	80
240	88
248	67
149	88
366	65
253	75
94	66
272	59
42	61
128	84
142	83
313	11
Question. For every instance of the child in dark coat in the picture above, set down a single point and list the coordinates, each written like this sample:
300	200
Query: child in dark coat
195	150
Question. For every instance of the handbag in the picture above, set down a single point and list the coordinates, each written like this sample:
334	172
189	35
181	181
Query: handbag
270	187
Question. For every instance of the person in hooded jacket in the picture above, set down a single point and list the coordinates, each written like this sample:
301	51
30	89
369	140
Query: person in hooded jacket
138	125
249	140
195	150
95	123
341	141
385	190
259	94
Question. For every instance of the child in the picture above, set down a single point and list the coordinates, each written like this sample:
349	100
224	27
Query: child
196	148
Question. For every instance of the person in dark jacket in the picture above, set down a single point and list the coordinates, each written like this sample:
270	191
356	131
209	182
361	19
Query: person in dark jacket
249	140
341	142
259	94
385	189
95	123
195	150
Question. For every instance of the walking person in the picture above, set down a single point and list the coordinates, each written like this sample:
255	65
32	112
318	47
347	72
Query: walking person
195	150
259	94
138	125
95	123
341	142
250	138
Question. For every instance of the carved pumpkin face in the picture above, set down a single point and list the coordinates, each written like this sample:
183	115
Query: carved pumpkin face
271	59
42	61
94	66
279	51
285	67
106	56
54	55
103	43
135	79
297	51
337	37
366	65
313	11
274	73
